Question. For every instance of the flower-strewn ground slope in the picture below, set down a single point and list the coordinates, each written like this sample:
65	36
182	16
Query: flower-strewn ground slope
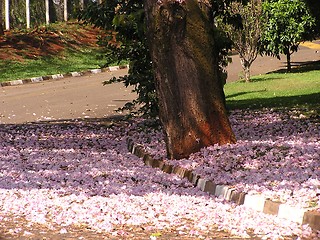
81	174
277	155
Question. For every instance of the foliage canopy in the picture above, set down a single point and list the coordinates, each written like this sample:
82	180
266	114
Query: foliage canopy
287	24
245	38
125	23
126	40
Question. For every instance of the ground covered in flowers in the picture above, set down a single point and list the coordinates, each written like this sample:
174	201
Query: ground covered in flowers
70	176
277	155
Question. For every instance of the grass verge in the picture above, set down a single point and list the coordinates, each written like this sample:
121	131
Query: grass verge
70	62
53	49
300	89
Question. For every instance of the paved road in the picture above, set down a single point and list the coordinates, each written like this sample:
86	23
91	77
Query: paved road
74	97
86	97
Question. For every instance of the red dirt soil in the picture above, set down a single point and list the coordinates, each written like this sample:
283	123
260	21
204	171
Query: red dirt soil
46	41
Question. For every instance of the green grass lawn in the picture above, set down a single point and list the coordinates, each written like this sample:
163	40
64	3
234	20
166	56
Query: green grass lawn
70	62
64	48
301	89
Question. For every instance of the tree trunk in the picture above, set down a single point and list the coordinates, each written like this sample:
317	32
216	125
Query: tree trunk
246	68
288	61
190	91
81	4
1	28
247	74
1	19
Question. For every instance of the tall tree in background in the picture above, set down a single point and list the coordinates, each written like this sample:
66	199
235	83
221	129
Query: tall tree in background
315	11
1	19
246	37
186	72
287	24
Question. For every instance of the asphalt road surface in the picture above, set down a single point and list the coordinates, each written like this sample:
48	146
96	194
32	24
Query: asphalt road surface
67	98
86	97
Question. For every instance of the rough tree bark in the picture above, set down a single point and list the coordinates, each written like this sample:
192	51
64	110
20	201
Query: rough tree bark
246	68
1	19
288	55
190	91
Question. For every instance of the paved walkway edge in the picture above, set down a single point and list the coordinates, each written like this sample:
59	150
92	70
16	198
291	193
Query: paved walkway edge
256	202
59	76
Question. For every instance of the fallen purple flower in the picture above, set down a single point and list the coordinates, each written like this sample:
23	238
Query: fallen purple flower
81	174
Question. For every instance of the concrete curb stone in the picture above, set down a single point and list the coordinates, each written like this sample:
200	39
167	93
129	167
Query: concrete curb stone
228	193
60	76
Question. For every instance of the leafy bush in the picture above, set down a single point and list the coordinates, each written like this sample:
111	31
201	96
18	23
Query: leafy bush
126	40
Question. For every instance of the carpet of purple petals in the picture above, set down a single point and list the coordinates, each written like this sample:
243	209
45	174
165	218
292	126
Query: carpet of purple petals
277	155
81	174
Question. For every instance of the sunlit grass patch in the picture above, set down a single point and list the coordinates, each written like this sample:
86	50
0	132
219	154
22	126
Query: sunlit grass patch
297	89
71	61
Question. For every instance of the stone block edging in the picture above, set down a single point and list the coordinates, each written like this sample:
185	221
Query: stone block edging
228	193
60	76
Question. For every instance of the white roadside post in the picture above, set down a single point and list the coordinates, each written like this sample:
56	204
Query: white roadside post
65	10
82	4
28	13
7	13
47	11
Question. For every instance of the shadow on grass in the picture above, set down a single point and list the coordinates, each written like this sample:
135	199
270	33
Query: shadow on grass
308	101
260	79
299	67
242	93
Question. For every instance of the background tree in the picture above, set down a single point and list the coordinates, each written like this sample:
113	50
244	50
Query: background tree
38	11
245	38
315	11
287	24
18	13
1	19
